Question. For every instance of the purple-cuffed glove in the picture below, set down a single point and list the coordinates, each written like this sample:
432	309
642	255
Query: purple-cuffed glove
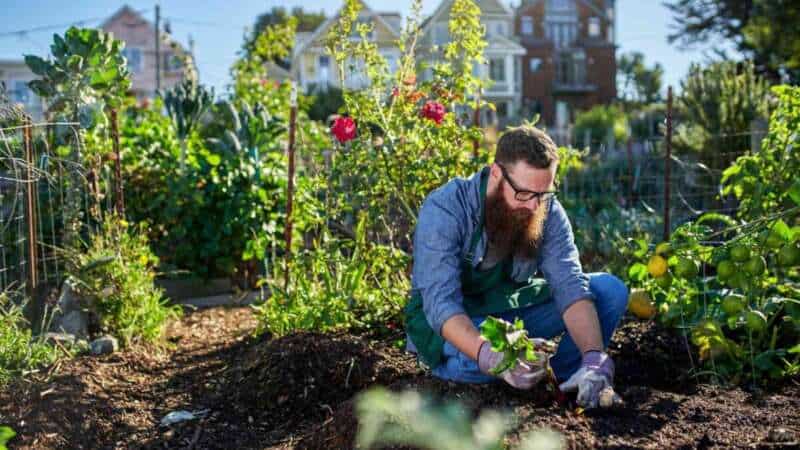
594	381
523	375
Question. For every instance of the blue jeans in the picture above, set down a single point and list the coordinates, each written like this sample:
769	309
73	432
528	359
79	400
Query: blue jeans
544	320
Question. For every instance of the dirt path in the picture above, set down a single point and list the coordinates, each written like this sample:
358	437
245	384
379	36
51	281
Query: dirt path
296	392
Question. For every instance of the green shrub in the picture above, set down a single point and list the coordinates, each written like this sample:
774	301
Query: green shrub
20	352
115	272
338	284
715	110
602	123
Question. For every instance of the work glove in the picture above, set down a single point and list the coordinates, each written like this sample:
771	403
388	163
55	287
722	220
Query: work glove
524	374
594	381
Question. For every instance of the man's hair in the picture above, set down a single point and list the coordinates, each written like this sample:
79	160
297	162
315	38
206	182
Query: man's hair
529	144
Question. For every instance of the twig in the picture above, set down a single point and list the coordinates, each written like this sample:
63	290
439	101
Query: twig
349	371
196	436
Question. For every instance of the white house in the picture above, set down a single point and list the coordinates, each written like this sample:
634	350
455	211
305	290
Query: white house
503	54
312	67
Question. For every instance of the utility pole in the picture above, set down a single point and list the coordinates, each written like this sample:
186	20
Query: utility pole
158	47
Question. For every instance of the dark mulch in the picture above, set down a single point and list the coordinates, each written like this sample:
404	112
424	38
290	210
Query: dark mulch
297	392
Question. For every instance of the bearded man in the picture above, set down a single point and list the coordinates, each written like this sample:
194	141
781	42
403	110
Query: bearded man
500	244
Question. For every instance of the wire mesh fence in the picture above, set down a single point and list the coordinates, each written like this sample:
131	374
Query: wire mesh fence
634	177
38	173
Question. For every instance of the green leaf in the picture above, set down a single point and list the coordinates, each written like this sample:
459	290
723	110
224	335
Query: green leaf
6	433
213	159
794	192
37	65
795	349
637	272
782	230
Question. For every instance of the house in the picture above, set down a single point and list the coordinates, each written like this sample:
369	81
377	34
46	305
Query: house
570	63
313	68
139	36
503	54
15	74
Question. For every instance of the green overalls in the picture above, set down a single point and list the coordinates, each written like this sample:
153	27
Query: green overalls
491	291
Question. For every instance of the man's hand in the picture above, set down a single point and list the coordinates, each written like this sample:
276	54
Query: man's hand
523	375
594	381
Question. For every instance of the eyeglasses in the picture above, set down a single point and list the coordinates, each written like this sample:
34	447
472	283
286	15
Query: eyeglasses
523	195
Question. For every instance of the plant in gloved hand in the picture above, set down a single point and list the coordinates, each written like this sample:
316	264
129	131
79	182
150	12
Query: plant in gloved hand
512	341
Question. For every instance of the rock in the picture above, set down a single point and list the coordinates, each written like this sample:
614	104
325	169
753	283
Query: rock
70	317
104	345
75	323
780	435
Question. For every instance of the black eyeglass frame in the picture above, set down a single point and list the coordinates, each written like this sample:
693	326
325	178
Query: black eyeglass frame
524	195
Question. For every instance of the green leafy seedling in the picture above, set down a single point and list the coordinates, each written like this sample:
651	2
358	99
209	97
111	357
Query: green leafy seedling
510	339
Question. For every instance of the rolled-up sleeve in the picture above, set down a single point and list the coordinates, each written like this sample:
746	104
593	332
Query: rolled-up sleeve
436	273
560	262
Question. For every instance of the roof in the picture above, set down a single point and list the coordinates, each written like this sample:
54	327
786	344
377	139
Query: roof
128	10
486	7
328	22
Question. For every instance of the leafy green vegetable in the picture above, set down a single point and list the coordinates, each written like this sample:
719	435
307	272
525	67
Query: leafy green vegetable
511	339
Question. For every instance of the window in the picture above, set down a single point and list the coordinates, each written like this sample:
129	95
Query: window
500	28
497	69
502	110
560	5
517	71
134	57
562	34
526	26
571	68
535	64
324	64
594	27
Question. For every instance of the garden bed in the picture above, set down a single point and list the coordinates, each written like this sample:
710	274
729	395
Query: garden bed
296	392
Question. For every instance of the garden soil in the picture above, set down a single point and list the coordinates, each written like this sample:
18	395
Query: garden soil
298	391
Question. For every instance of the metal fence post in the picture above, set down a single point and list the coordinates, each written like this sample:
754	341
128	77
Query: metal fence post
290	187
667	164
30	206
120	203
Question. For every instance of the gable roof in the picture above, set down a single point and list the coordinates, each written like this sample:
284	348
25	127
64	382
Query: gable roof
331	20
128	10
486	7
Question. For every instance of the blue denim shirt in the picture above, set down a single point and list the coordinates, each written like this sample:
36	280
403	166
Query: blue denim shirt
447	220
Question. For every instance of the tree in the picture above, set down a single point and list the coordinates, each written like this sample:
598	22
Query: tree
639	84
762	30
716	108
306	22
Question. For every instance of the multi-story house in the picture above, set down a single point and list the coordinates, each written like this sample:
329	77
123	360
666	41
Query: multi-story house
139	36
313	68
503	54
16	75
570	62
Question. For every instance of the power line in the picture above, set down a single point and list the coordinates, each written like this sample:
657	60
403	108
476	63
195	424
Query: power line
59	26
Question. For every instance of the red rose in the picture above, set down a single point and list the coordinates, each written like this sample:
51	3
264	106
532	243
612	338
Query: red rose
434	111
344	128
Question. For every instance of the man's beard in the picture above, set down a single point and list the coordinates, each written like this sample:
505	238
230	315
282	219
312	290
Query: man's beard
518	231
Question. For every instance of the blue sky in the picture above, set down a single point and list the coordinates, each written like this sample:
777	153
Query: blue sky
217	27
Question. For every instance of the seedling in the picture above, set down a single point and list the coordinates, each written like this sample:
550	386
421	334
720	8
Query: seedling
513	341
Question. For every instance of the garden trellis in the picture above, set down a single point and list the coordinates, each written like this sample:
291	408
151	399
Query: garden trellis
33	185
